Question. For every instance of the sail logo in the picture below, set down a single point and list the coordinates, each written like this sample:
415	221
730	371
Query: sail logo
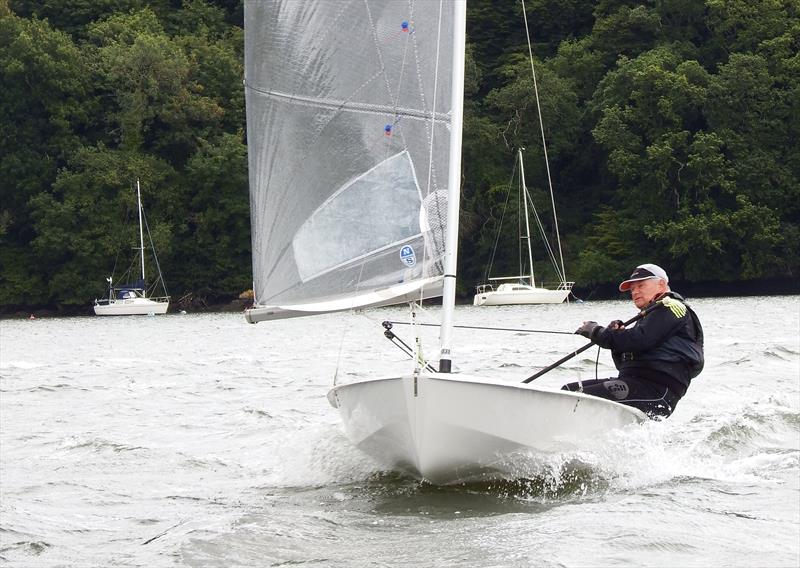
408	256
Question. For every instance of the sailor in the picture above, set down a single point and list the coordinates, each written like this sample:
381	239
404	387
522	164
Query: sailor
658	356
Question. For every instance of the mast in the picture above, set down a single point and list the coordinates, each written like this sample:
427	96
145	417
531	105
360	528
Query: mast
453	184
527	224
141	233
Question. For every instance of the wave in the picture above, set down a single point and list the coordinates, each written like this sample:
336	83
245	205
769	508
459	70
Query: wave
781	352
23	549
21	365
97	445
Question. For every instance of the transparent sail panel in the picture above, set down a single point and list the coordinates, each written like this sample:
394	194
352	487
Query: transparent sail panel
339	233
347	123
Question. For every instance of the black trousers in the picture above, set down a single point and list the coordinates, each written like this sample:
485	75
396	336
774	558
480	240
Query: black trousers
653	399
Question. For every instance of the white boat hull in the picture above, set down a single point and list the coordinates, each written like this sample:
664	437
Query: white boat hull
519	297
131	307
451	428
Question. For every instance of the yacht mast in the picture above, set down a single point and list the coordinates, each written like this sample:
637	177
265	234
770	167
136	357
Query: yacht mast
141	233
527	224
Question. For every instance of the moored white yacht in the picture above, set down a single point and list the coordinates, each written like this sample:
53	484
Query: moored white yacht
520	290
516	293
133	299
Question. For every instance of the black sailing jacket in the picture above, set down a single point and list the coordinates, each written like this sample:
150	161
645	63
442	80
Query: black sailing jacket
667	341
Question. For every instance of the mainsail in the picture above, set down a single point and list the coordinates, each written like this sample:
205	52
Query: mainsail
348	119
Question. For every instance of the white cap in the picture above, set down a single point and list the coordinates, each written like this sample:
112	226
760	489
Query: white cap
644	272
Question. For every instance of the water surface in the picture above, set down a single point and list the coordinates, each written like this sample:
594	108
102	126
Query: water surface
201	440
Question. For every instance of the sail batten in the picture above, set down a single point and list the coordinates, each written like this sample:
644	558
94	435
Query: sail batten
344	105
348	128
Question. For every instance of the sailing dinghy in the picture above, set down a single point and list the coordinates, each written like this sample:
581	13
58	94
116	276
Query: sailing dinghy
135	298
354	143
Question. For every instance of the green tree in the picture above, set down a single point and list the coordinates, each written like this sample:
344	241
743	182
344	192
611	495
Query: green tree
157	107
214	251
42	113
649	107
82	232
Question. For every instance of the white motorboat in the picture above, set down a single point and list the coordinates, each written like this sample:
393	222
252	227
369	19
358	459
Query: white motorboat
354	120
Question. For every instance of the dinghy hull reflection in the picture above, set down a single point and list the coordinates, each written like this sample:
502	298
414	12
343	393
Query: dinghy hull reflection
450	428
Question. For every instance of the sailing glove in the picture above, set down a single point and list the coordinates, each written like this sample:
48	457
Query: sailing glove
589	329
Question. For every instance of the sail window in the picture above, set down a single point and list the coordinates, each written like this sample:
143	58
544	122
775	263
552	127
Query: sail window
341	231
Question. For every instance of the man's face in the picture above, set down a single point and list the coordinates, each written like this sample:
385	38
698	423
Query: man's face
644	291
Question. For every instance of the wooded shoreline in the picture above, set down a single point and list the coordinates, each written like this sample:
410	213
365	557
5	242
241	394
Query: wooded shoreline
672	133
767	287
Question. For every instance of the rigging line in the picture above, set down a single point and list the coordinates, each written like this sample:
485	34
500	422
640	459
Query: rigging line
545	240
344	328
540	226
488	328
522	199
435	87
548	247
520	262
116	257
394	96
155	257
544	144
500	225
339	355
403	346
419	360
429	127
387	146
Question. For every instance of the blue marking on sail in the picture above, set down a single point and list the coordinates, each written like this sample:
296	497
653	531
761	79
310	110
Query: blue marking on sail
408	256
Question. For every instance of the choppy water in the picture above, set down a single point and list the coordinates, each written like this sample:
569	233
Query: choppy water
200	440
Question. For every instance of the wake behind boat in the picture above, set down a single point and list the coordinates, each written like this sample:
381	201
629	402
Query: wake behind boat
136	297
354	154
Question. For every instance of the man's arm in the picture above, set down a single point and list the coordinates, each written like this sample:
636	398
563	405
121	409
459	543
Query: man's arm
648	332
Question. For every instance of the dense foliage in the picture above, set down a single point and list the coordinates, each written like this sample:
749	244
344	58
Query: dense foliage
671	129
